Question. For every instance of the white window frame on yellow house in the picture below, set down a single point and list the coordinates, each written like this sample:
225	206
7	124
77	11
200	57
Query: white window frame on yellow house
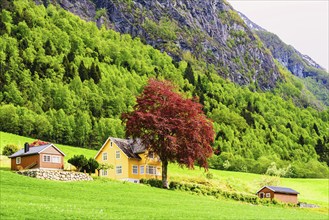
104	156
141	169
104	173
117	168
117	154
135	168
111	144
154	169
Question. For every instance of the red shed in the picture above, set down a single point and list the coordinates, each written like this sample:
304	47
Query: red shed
44	156
282	194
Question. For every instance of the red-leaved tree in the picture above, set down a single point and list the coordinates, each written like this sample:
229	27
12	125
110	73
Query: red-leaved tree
173	127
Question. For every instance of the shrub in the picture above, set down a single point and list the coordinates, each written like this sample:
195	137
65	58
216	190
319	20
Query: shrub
9	149
209	175
226	164
79	161
91	165
152	182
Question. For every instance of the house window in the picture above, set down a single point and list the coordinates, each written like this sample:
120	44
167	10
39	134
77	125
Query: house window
117	154
141	169
268	195
104	156
135	169
151	170
46	158
118	170
55	159
103	172
18	160
111	144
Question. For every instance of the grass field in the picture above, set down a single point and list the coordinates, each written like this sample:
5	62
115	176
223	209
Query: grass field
314	191
22	197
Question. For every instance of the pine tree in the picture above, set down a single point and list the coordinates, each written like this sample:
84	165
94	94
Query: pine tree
83	71
188	74
95	73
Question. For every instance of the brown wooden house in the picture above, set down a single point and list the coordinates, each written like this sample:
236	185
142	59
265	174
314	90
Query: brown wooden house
282	194
46	156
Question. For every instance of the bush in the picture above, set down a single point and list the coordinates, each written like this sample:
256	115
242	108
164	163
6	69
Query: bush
91	165
209	175
152	182
79	161
9	149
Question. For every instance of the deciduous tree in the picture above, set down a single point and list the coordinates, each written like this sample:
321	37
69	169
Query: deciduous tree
173	127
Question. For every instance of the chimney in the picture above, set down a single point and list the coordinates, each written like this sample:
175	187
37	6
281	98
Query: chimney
26	147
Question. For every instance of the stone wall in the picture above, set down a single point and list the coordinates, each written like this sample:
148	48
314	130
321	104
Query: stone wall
56	175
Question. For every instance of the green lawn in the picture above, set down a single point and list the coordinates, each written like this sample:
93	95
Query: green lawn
104	199
315	191
23	197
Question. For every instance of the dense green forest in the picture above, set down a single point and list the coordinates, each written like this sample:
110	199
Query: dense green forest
64	80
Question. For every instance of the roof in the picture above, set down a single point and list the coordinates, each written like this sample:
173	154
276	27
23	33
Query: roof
280	190
127	146
34	150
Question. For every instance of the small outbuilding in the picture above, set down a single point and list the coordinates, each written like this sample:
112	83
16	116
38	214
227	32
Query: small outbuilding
46	156
281	194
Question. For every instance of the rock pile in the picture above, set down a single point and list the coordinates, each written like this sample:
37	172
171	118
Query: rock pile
59	175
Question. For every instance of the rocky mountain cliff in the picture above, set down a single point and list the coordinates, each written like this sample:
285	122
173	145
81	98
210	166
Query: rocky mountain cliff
297	63
211	31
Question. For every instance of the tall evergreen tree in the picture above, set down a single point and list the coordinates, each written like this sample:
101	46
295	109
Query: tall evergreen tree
189	74
83	72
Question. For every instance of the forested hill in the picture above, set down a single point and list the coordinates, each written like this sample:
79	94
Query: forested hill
210	30
64	80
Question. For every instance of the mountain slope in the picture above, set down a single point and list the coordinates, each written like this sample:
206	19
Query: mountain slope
211	30
66	81
313	75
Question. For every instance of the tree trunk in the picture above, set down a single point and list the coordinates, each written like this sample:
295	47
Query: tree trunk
164	174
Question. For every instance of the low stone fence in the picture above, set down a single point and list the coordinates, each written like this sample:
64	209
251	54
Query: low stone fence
56	175
305	205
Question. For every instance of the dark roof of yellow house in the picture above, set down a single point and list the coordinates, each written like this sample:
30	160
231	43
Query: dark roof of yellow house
128	147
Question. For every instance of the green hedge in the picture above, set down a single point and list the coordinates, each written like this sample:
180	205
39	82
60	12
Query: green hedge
152	182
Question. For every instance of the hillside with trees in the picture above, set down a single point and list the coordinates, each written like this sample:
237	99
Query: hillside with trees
66	81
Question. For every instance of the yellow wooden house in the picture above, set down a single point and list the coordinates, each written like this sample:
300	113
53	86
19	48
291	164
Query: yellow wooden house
130	161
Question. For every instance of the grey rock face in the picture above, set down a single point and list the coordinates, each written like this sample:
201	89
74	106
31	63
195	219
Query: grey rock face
210	29
296	62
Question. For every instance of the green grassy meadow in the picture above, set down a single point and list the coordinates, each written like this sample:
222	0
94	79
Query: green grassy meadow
23	197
